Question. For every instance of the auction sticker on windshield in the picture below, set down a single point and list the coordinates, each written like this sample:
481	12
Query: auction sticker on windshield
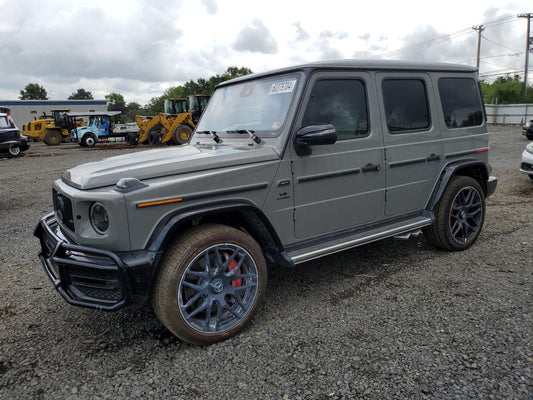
282	87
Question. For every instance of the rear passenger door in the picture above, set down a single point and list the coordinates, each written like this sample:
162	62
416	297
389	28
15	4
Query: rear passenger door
339	186
413	147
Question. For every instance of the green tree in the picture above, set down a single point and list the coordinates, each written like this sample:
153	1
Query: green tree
33	91
132	109
116	102
506	90
81	94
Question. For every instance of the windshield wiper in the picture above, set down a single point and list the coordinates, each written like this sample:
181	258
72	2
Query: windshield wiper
213	133
250	133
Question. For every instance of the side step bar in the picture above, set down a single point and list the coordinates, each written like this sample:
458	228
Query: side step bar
357	239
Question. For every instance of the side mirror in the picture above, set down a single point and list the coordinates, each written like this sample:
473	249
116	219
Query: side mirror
314	135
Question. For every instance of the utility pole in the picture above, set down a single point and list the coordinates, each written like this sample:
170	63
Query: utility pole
479	29
528	43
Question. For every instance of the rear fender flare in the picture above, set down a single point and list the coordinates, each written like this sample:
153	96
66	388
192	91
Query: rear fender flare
458	168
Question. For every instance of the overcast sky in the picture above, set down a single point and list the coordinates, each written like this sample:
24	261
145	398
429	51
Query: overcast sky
140	48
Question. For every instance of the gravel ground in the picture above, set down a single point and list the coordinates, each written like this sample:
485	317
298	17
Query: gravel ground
395	319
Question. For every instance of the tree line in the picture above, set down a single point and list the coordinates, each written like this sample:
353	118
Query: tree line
116	102
506	90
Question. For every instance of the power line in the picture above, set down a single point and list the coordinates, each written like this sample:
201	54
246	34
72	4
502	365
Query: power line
497	44
426	43
451	36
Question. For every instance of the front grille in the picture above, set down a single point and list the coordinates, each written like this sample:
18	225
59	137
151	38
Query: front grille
63	209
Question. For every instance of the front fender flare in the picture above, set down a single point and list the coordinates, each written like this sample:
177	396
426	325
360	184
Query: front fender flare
256	222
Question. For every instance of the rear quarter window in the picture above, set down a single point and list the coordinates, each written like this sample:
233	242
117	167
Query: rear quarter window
461	102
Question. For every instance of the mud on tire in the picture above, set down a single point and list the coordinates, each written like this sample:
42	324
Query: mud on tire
210	284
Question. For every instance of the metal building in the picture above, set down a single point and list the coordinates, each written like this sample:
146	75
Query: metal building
24	111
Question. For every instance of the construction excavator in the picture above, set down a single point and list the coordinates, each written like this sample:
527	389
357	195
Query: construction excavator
173	126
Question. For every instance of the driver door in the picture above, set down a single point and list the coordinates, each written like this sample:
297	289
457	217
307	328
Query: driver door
339	186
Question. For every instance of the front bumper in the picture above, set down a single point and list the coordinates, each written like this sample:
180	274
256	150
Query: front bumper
94	278
526	166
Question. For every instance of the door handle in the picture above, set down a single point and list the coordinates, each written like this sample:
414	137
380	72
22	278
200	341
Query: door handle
433	157
371	167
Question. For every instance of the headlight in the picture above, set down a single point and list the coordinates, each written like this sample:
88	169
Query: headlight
99	218
529	148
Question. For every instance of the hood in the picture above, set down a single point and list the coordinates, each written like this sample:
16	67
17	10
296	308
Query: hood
164	162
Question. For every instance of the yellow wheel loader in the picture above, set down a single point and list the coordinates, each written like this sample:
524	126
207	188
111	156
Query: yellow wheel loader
176	124
52	129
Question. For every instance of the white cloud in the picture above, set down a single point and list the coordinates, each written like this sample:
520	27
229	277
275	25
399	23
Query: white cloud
256	38
211	6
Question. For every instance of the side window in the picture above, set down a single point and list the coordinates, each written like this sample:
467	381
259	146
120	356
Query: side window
341	103
461	102
406	105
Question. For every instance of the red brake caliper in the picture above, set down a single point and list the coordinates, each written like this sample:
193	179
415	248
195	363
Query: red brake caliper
232	265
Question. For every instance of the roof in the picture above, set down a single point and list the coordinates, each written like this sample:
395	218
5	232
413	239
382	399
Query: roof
365	65
88	113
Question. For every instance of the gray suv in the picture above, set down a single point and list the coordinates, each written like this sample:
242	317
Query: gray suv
285	166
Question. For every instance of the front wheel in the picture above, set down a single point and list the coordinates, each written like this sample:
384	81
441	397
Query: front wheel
53	138
182	134
459	215
14	150
88	140
210	284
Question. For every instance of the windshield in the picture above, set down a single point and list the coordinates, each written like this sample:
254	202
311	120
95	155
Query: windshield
259	105
175	106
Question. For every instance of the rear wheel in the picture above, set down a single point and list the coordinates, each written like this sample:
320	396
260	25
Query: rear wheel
210	284
53	138
182	134
459	215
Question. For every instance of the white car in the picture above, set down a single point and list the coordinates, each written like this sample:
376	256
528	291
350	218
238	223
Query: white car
526	166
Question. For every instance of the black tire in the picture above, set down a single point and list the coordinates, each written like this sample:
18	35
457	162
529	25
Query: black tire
13	150
131	139
182	134
531	177
53	138
197	296
88	140
459	215
154	136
